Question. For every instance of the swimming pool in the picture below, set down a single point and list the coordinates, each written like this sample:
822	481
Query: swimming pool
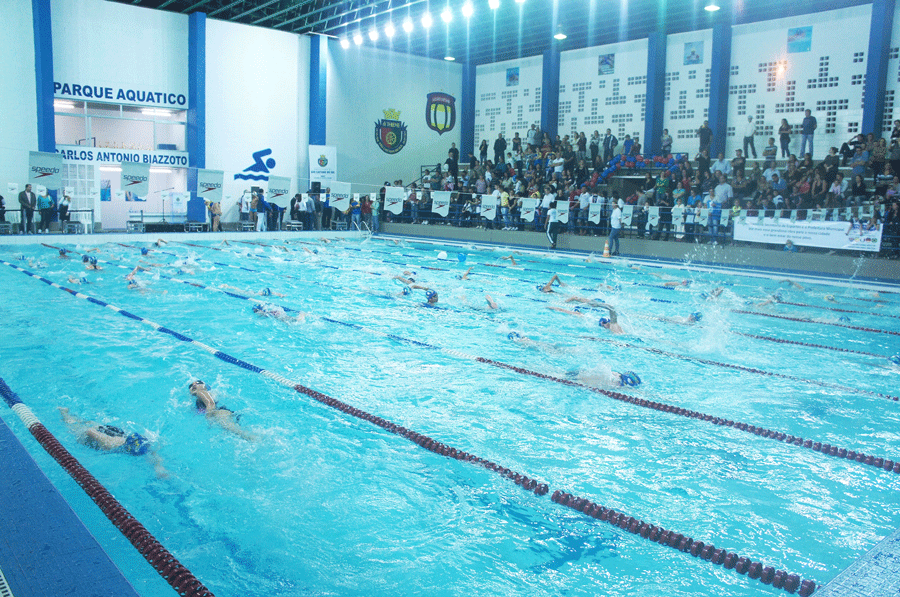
326	504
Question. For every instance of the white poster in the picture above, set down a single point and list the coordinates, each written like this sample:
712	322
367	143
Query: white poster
45	169
279	189
489	206
723	220
528	206
678	214
562	208
805	233
209	185
440	202
653	218
135	178
594	211
340	196
393	199
627	214
322	164
703	220
179	203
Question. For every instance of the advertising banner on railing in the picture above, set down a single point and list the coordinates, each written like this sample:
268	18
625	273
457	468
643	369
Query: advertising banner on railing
279	189
209	185
528	206
489	206
594	211
627	215
135	178
45	169
322	164
340	196
653	215
562	208
393	199
440	202
806	233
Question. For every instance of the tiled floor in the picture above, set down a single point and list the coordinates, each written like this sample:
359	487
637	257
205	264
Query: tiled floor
877	574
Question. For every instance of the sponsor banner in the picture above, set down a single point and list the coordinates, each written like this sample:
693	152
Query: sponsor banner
826	235
393	199
594	211
119	195
340	196
135	178
723	220
703	219
489	206
45	169
529	204
209	185
440	202
678	214
562	208
119	95
13	189
100	155
279	188
627	215
322	164
653	218
180	202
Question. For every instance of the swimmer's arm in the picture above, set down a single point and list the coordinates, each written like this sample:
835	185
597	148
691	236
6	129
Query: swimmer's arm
612	311
490	302
161	472
561	310
465	276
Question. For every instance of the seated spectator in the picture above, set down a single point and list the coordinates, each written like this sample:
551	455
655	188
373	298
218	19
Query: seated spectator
721	165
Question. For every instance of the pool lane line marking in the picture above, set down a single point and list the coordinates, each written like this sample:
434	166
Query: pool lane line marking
839	310
689	358
166	565
825	448
669	538
802	320
807	344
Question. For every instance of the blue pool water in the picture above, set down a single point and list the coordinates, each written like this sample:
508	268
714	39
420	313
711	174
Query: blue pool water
325	504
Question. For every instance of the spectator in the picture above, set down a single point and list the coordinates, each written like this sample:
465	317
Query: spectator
45	206
739	163
215	212
27	204
784	135
858	192
609	146
2	209
705	133
64	206
615	225
483	151
721	165
595	146
807	129
666	141
879	157
860	160
627	146
531	138
703	163
499	148
770	152
749	133
848	149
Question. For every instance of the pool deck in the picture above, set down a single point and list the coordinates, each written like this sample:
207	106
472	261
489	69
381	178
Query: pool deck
876	574
45	550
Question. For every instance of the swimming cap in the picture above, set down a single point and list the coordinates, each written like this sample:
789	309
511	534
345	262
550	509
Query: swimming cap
84	280
406	290
93	261
190	385
257	308
144	251
704	296
316	251
85	259
62	251
461	257
266	292
629	378
697	315
604	320
844	318
430	294
515	335
895	359
442	255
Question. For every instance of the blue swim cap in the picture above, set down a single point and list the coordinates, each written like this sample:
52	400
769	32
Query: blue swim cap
144	251
84	280
85	259
540	287
895	359
406	290
578	309
430	294
257	308
93	261
844	318
515	335
604	320
697	315
267	292
62	251
629	378
316	251
704	296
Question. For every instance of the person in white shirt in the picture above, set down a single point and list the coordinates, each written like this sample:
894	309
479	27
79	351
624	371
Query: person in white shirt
549	197
552	224
721	165
724	192
768	172
749	133
245	206
615	223
584	206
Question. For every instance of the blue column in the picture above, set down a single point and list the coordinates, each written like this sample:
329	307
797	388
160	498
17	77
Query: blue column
656	93
196	114
43	75
317	89
877	66
719	76
550	91
467	113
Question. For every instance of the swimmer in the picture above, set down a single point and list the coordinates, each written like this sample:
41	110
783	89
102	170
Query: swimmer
713	294
278	313
63	254
130	277
108	438
263	292
221	415
611	322
792	283
531	343
431	296
311	252
74	280
511	259
408	278
160	243
90	263
585	301
491	302
895	359
670	283
605	380
548	287
465	276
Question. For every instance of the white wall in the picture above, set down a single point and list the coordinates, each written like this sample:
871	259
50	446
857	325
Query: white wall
771	83
687	89
257	98
362	82
507	106
107	44
891	105
18	108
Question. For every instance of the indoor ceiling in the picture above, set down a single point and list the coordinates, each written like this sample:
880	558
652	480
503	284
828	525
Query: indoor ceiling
512	30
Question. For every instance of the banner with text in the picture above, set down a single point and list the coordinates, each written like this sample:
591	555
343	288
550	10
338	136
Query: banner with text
528	206
45	169
340	195
279	189
440	202
393	199
100	155
322	164
489	206
135	178
562	208
594	212
209	185
806	233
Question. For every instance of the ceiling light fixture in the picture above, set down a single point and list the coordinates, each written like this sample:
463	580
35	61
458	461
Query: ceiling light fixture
520	1
427	21
712	6
63	104
467	10
446	15
389	30
449	58
345	43
494	4
559	34
408	25
358	38
373	34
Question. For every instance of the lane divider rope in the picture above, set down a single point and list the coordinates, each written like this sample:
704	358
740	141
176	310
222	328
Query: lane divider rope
809	345
839	310
802	320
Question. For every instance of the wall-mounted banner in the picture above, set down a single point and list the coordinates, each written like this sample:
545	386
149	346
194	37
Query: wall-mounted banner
594	211
440	202
180	202
340	196
489	206
45	169
79	153
440	112
322	163
528	206
209	185
390	133
393	199
135	178
806	233
144	97
279	189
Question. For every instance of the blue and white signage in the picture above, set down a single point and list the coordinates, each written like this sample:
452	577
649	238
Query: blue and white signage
119	95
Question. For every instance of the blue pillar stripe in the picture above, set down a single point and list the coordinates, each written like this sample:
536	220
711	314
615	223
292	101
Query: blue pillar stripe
719	75
467	113
317	89
196	114
656	93
550	91
877	65
43	75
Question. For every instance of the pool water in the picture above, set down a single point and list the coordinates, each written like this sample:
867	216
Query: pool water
325	504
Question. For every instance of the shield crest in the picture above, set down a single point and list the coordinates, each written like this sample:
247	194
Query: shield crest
390	133
440	112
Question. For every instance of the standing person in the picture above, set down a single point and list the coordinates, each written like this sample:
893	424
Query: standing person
317	217
482	151
609	146
262	208
366	210
215	210
666	142
595	146
355	213
705	133
807	129
552	224
2	209
784	135
64	206
749	133
615	227
27	204
376	213
531	137
45	206
499	148
254	206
